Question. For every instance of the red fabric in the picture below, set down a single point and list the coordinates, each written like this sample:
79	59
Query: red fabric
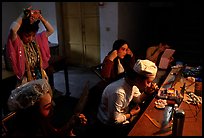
109	68
15	52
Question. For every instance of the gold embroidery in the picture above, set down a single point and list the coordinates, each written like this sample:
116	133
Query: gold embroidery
33	60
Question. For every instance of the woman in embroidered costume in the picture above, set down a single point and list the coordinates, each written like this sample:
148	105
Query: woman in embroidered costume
28	49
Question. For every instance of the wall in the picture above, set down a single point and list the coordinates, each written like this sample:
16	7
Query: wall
180	25
131	24
144	24
121	20
108	13
141	23
11	10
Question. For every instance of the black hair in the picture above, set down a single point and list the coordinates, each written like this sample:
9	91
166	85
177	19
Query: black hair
27	27
117	44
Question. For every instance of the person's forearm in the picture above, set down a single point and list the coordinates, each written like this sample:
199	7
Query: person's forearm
140	98
47	25
15	26
106	68
128	115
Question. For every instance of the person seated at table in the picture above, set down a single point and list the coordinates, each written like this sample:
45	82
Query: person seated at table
114	112
154	54
33	105
119	60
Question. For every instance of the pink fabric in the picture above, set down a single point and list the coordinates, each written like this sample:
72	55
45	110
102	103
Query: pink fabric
16	54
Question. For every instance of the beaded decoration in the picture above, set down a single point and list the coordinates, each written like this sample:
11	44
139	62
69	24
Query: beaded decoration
34	61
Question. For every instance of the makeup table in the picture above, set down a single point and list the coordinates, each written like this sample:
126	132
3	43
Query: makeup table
193	113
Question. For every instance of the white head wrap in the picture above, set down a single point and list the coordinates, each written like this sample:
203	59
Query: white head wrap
27	94
145	67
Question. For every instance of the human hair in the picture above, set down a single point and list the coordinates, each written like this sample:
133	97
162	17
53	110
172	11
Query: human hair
27	27
163	43
118	43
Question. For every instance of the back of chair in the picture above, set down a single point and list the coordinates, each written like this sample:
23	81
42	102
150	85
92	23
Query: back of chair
6	123
83	99
97	69
79	108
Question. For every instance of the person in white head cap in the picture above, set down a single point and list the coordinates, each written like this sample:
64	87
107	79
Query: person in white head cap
33	105
114	111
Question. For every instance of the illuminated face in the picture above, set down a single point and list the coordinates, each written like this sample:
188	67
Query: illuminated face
122	51
144	83
28	37
45	104
148	82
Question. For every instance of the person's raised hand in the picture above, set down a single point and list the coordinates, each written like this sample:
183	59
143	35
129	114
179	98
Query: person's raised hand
83	119
113	55
129	52
35	15
152	88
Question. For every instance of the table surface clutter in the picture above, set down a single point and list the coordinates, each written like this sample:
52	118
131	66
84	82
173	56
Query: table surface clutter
177	93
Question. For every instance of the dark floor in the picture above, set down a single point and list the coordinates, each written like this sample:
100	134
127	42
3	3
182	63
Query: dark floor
77	76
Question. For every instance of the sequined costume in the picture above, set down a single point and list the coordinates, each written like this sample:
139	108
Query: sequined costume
16	52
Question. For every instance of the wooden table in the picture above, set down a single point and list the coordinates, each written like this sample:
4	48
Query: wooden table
193	114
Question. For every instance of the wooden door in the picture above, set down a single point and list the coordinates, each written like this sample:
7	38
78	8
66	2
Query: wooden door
81	33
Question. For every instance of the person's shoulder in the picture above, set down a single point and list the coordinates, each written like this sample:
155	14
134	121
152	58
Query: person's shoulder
152	47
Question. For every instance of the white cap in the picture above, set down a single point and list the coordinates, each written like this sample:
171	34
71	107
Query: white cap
145	67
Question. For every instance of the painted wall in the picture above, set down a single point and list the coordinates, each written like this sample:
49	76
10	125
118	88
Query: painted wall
108	13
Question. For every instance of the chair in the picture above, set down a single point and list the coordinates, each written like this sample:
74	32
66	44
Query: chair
79	108
6	123
97	69
83	99
57	63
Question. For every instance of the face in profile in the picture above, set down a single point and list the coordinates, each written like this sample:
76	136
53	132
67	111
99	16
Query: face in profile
145	82
45	104
122	51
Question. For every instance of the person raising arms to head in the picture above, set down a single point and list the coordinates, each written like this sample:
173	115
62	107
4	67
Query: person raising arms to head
28	49
118	61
